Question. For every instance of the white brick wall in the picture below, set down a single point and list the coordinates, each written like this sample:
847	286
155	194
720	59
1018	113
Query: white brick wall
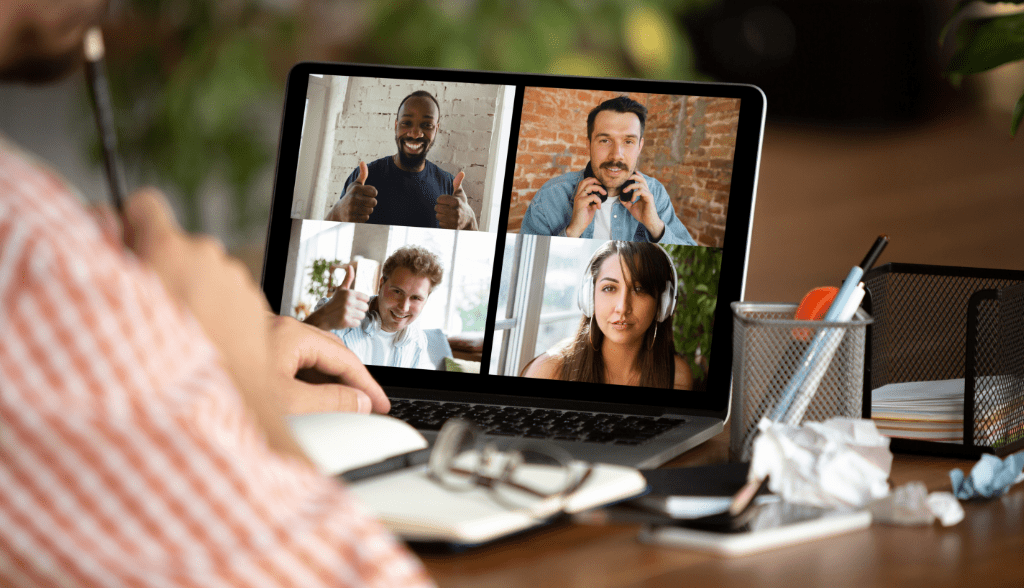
365	129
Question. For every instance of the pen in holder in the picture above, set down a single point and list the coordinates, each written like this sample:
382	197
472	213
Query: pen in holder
802	370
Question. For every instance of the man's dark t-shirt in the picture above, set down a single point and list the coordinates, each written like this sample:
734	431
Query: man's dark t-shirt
404	198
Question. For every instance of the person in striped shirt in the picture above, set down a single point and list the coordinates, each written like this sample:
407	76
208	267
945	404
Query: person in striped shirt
143	382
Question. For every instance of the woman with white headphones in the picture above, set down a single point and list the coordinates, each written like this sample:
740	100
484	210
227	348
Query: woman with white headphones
627	295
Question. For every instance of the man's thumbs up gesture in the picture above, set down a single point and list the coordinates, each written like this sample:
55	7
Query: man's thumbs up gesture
358	202
453	210
345	309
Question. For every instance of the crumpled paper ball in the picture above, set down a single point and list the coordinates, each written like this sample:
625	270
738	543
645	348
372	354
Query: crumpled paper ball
842	463
910	504
989	478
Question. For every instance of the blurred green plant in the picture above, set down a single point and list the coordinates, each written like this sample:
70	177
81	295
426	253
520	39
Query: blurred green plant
698	269
985	43
570	37
188	78
321	278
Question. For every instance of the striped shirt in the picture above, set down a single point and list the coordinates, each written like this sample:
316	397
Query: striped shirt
126	455
409	348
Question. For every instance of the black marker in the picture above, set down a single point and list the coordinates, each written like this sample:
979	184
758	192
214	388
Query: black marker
876	250
99	92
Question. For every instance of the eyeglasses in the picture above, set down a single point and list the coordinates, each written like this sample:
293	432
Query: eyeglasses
529	475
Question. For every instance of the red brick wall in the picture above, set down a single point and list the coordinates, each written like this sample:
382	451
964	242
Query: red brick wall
688	146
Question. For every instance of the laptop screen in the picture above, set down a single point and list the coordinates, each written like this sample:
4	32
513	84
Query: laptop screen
546	237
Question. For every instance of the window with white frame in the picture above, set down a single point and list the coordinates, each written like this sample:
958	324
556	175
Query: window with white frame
537	297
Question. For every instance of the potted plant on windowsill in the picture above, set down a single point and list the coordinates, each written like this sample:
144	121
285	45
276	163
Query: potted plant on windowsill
984	43
321	284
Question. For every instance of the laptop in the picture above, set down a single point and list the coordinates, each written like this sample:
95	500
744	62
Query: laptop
492	339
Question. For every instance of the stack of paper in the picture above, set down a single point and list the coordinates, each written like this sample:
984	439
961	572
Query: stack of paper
928	411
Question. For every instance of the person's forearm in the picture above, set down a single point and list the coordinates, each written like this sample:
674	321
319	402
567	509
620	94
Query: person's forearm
574	231
269	414
335	214
472	224
657	231
316	319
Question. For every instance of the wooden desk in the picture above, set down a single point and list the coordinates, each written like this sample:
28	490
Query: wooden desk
987	548
948	193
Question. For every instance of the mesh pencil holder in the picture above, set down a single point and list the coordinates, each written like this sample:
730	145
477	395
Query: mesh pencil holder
769	348
943	323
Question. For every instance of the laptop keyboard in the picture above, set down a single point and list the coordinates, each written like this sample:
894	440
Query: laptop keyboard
535	423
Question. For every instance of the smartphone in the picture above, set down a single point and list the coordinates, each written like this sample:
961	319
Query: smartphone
771	526
623	194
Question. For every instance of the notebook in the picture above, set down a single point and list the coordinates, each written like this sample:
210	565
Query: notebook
501	157
414	506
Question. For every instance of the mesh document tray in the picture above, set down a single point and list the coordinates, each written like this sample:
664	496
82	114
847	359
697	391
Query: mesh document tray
945	323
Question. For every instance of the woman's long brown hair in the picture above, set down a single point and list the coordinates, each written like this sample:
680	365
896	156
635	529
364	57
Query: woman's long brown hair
582	359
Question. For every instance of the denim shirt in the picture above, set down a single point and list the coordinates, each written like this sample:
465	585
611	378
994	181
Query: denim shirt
550	211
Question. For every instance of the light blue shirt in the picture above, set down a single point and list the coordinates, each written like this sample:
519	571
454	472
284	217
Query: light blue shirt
410	347
550	211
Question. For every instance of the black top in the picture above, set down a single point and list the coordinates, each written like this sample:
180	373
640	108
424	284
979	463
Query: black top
404	198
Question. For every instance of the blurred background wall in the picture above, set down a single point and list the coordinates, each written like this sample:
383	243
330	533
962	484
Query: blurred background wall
864	134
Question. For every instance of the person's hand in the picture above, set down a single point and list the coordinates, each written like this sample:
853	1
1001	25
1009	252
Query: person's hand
220	293
359	200
197	272
641	206
453	210
585	204
109	223
316	372
346	309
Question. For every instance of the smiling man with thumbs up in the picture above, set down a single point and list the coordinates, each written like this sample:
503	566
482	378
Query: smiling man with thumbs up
405	189
380	329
